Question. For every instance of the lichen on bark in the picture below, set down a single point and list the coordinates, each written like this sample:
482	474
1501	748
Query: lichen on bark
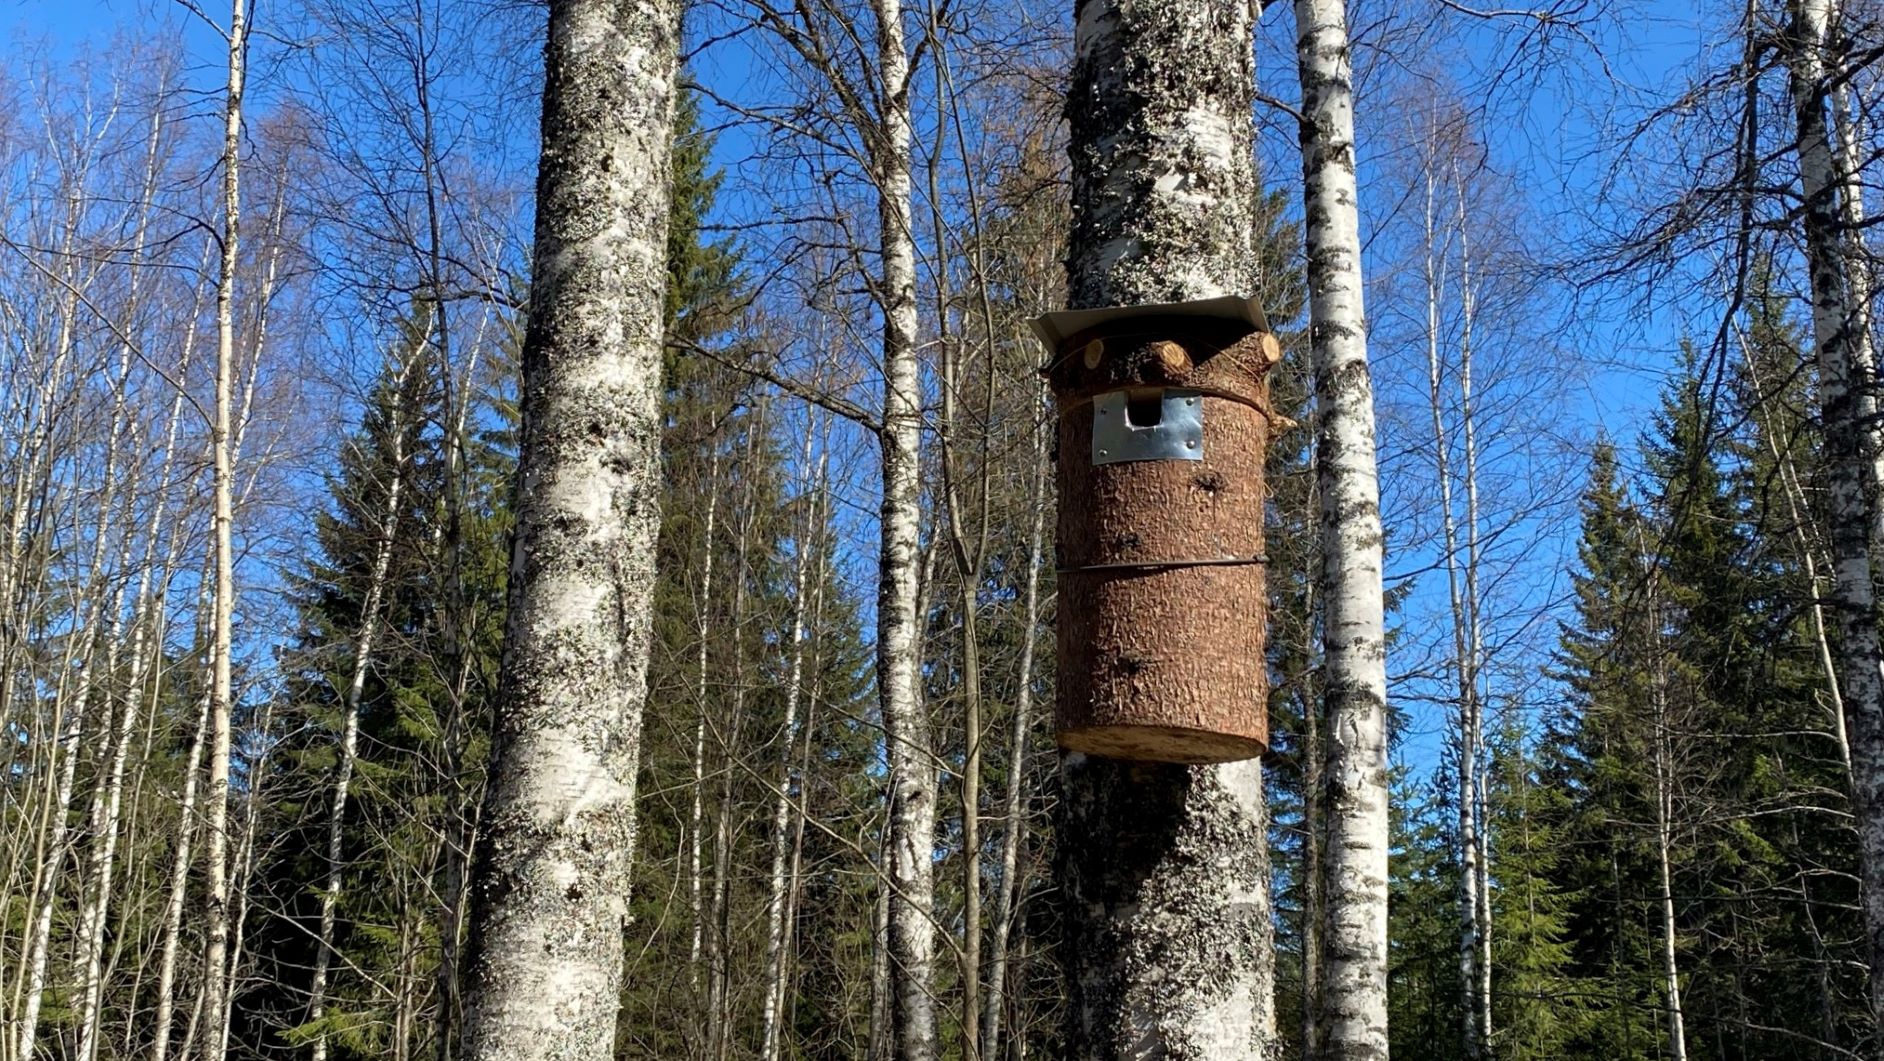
1165	867
550	895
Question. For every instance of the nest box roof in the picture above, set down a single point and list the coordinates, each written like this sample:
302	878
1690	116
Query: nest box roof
1053	329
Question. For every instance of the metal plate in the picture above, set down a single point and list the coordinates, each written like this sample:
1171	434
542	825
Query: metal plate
1178	434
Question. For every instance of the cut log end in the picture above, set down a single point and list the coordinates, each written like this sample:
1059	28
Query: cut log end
1173	359
1161	744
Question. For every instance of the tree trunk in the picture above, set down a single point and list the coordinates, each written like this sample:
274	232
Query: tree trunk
776	901
1465	747
178	888
551	899
1166	867
696	819
1351	1010
1852	471
912	778
1007	896
221	693
350	724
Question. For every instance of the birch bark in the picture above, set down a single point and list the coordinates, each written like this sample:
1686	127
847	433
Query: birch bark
912	780
216	897
350	724
1007	896
776	901
551	900
1351	1010
1852	462
1165	867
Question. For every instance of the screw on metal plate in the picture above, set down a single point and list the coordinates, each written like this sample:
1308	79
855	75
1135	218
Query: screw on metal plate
1147	425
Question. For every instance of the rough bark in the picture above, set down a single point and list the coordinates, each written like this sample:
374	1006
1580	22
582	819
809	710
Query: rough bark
1351	1005
1851	457
1165	866
551	898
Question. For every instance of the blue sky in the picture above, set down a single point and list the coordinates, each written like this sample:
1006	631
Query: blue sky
1546	118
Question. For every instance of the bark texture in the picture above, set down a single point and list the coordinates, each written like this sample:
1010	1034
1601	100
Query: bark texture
1351	1015
551	898
912	780
1852	458
1165	866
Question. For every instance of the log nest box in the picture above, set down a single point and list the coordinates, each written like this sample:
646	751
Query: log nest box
1164	422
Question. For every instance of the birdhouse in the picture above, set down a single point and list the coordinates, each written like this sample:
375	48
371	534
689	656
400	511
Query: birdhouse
1164	420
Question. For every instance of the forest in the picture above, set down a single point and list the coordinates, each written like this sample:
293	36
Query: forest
535	530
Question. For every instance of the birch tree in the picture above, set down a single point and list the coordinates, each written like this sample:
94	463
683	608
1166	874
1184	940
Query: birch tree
221	652
550	901
1351	1002
1165	866
1851	455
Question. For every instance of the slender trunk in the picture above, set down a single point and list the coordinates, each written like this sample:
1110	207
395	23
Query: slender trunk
108	797
1007	896
1799	512
1465	747
178	889
1474	655
720	934
881	1043
1664	814
1351	1006
775	920
1313	836
216	892
350	724
697	815
1852	468
912	779
98	601
1165	867
551	895
245	863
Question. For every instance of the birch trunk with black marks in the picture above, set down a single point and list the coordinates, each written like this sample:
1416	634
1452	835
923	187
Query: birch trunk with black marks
1007	895
1851	457
1351	1003
550	898
912	780
1664	829
177	889
1166	868
221	651
777	905
108	792
350	724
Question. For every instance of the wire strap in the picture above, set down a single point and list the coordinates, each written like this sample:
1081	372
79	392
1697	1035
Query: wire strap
1156	565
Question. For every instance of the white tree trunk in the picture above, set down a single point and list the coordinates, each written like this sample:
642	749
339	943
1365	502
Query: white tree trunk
178	889
221	693
1007	896
782	800
99	601
1166	867
551	898
1352	999
912	777
108	797
696	819
1852	469
350	722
